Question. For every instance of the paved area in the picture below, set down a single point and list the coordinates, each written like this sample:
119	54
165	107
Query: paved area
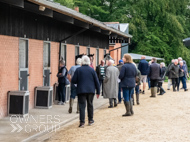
162	119
39	123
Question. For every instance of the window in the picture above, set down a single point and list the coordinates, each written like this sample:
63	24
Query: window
63	55
46	56
97	57
76	50
88	50
23	54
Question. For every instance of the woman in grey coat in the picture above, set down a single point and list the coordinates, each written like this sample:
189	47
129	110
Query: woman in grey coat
110	87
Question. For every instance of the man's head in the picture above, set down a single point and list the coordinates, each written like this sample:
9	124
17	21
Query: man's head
154	60
176	61
61	63
162	64
110	63
121	61
173	60
78	62
181	63
102	62
143	57
180	59
85	60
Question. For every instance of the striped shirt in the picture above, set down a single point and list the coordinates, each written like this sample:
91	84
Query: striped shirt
102	72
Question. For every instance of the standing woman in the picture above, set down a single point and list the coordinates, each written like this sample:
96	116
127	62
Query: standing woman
127	76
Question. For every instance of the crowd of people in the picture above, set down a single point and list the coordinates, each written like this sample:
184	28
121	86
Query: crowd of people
111	80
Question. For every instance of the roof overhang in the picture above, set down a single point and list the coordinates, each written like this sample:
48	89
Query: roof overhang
138	57
80	17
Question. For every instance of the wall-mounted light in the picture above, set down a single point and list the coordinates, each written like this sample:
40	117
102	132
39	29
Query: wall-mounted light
42	8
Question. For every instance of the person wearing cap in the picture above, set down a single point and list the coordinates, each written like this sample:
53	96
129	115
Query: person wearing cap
119	66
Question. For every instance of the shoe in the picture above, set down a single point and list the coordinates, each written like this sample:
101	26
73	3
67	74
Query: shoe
138	103
60	103
186	90
140	91
90	123
131	107
81	125
168	89
143	92
115	105
70	110
71	101
110	106
181	88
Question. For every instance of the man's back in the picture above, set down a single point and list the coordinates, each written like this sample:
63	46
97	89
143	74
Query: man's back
143	67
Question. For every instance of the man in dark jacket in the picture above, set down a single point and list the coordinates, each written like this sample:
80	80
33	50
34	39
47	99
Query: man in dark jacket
61	79
119	92
154	75
87	82
143	68
174	69
100	70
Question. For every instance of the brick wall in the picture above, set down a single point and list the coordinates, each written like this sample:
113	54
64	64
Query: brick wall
35	67
93	51
83	49
116	54
70	55
8	69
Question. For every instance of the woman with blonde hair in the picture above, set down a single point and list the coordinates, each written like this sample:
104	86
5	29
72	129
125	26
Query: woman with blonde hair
127	76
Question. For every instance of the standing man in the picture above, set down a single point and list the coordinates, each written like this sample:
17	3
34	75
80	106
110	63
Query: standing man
73	86
143	68
100	70
62	82
87	82
154	75
168	73
174	69
182	75
119	91
111	84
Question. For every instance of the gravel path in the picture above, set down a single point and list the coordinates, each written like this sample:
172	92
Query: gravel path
162	119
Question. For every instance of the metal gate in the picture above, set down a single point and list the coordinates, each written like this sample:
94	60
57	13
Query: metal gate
23	64
46	64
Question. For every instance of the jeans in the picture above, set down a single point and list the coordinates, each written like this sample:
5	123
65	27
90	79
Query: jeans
183	80
137	89
82	99
73	91
175	83
127	93
61	88
153	83
148	82
101	84
119	93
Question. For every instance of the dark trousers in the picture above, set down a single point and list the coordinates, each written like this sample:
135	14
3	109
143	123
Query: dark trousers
153	82
61	88
101	84
82	99
175	83
119	93
183	80
148	82
161	89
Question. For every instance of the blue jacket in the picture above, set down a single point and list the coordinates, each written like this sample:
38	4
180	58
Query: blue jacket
128	75
86	79
143	67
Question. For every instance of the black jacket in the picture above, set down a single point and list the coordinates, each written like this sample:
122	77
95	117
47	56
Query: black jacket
174	70
98	71
155	71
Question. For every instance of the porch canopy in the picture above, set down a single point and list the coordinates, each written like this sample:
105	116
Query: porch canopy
138	57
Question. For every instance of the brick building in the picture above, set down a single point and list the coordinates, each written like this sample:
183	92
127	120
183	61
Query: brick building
35	34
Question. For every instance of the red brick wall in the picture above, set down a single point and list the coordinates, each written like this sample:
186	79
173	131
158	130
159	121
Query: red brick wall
8	69
83	49
116	54
35	67
93	51
70	55
101	55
